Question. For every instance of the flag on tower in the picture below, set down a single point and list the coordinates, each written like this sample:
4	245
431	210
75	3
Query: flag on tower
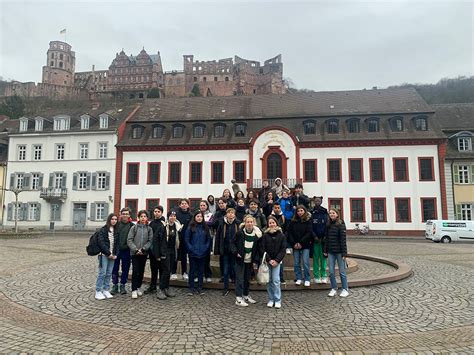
62	32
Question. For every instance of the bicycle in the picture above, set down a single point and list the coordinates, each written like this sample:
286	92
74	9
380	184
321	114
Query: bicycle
361	229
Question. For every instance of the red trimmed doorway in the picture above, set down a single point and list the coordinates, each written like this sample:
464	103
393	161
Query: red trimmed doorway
274	164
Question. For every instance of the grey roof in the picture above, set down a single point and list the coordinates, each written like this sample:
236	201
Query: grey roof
455	117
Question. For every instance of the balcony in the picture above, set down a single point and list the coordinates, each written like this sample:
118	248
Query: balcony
253	184
53	194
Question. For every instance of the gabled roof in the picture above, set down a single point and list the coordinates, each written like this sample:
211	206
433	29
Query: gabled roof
455	117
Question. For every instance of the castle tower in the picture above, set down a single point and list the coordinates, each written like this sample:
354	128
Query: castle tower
60	64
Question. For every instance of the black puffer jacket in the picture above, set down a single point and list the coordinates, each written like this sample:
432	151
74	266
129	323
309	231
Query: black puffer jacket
104	242
274	244
300	230
335	241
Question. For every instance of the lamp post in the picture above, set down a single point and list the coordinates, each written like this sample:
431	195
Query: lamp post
16	192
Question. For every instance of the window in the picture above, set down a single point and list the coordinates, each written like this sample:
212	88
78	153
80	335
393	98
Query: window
102	183
38	124
61	123
353	125
333	126
426	169
428	209
103	150
219	130
357	209
217	172
373	125
132	173
82	181
172	203
133	205
36	181
153	173
60	148
464	211
151	203
178	131
464	144
157	131
23	124
100	211
84	122
37	152
59	180
240	129
20	178
103	121
356	171
396	124
174	173
310	172
137	132
379	213
337	204
462	174
240	169
377	173
33	211
195	172
83	150
309	127
334	170
403	211
400	169
421	123
198	131
22	152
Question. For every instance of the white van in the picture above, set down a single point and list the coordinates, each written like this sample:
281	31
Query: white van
449	231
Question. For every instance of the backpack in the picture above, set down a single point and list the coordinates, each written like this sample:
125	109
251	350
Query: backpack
93	246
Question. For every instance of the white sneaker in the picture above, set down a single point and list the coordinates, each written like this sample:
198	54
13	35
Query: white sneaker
174	277
208	279
195	279
307	284
324	280
249	299
107	294
344	293
288	251
134	294
278	305
318	280
298	282
270	304
332	293
240	302
99	295
185	277
139	292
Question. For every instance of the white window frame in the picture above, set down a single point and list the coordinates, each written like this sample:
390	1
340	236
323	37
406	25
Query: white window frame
32	210
103	150
61	124
35	178
23	125
39	125
100	211
37	151
464	173
85	122
60	148
19	180
58	180
22	152
101	181
83	150
466	211
82	181
464	144
103	121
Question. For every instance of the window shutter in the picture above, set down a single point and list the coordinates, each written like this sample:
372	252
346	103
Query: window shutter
63	181
472	174
40	182
51	180
106	210
10	212
26	182
456	174
23	212
93	211
38	212
94	181
88	181
458	212
60	206
107	180
12	181
74	181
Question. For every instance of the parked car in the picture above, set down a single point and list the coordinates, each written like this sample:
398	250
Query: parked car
445	231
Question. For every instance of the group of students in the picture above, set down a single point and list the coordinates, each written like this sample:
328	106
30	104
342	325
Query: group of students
243	231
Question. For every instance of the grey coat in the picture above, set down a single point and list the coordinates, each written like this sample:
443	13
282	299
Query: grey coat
139	237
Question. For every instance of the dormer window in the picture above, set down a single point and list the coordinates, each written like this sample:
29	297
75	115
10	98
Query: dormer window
464	144
396	124
198	130
333	126
178	131
137	132
309	127
240	128
373	125
39	124
219	130
85	121
23	124
421	123
61	123
353	125
104	120
157	131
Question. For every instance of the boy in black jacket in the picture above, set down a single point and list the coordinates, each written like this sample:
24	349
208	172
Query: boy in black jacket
184	216
154	254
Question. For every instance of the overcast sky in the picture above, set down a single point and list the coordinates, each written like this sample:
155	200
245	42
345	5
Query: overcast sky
325	45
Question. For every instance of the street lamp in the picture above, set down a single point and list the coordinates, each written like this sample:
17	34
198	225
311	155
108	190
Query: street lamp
16	192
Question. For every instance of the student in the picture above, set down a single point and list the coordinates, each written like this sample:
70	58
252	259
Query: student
335	248
288	211
139	242
280	217
184	216
154	254
320	219
227	196
228	228
254	211
300	237
123	256
239	194
251	195
204	208
244	248
107	241
267	205
278	187
168	239
212	203
240	209
262	194
198	243
273	243
216	221
299	198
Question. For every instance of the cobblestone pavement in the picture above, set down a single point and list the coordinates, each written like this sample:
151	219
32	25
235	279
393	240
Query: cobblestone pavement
47	305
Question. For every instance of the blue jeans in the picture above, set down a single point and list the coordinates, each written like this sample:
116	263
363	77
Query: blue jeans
299	254
342	270
105	273
196	269
273	287
125	258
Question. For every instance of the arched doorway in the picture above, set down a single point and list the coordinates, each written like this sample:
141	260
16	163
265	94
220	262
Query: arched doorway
274	164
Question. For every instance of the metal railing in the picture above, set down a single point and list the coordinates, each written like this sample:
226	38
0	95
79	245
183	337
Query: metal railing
53	193
257	183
